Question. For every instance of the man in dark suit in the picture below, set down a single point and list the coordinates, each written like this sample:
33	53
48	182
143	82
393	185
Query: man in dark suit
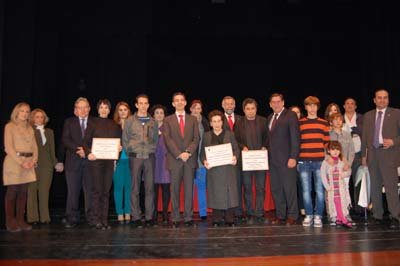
353	124
182	139
283	151
76	168
251	134
380	149
229	119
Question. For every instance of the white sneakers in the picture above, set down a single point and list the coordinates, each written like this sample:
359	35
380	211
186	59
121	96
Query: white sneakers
317	221
310	220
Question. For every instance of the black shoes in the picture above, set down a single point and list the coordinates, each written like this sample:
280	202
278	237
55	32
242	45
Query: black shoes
150	223
100	226
175	224
190	224
394	224
70	225
375	221
138	223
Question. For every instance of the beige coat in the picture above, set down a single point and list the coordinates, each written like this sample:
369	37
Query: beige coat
18	138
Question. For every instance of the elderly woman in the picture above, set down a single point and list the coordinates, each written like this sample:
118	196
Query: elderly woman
101	170
19	166
44	172
221	180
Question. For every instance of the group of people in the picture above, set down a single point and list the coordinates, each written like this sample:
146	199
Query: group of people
308	157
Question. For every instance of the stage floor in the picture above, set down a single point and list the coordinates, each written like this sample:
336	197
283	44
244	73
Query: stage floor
240	245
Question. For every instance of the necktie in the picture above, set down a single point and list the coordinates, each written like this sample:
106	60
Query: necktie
274	121
230	122
83	127
377	131
182	125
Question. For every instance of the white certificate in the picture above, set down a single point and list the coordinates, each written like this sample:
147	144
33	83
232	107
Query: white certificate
218	155
255	160
106	148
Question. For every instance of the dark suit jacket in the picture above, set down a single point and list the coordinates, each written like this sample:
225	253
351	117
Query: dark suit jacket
358	129
241	129
284	139
390	130
226	124
72	139
46	153
176	144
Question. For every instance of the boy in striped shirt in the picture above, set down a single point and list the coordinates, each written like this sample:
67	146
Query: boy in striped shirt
314	135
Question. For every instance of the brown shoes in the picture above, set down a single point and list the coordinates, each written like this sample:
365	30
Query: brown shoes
291	221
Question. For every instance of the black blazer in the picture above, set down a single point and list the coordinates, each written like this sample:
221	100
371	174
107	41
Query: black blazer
241	131
226	124
284	139
72	139
358	129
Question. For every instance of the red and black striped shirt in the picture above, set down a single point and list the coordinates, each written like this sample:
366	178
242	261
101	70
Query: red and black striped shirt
314	135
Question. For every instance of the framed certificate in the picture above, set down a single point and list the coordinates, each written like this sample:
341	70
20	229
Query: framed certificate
255	160
106	148
218	155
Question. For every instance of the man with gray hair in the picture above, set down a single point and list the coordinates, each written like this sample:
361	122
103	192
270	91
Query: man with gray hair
76	169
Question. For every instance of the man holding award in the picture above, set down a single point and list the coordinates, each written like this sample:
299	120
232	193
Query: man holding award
252	135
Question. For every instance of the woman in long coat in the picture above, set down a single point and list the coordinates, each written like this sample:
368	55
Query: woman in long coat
221	180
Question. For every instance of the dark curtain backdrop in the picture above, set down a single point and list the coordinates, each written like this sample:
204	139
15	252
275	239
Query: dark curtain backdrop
52	52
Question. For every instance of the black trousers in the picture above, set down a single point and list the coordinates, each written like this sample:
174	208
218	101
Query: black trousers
101	173
76	180
166	196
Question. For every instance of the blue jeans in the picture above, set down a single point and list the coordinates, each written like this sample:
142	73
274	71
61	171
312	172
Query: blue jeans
308	170
201	184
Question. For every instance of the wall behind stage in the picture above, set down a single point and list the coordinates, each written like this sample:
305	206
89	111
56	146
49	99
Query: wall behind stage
56	51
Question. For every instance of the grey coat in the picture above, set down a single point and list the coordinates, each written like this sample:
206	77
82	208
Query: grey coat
221	180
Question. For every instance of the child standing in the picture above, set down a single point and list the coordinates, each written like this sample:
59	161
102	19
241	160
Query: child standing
333	179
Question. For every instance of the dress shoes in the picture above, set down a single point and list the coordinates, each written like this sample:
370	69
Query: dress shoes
291	221
106	227
190	224
394	224
230	224
276	221
175	224
70	225
216	224
98	226
138	223
150	223
375	221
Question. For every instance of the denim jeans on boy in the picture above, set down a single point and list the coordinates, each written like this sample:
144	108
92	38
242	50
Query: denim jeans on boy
308	170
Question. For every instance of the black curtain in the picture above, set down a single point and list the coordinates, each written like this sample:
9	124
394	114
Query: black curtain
52	52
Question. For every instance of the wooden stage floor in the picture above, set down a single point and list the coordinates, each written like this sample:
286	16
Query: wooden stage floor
202	245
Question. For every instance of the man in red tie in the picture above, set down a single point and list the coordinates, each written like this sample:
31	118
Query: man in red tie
230	118
182	139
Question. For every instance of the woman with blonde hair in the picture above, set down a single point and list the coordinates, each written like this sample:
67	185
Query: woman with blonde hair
39	191
19	166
